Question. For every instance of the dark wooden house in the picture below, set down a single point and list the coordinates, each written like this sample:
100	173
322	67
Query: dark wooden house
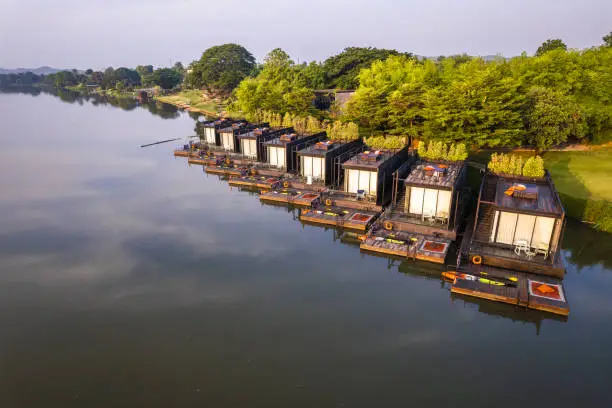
370	174
519	226
321	162
229	136
430	200
282	150
209	131
252	142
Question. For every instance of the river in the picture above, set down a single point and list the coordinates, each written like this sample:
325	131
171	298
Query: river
128	278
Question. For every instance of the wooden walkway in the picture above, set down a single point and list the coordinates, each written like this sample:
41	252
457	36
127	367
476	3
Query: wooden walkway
532	291
339	217
291	196
407	245
262	182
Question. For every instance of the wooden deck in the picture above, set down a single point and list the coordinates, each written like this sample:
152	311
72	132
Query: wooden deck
291	196
344	200
407	245
339	217
262	182
203	161
187	153
523	293
226	171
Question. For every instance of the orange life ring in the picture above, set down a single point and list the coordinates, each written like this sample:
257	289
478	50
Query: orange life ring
285	184
477	259
253	172
227	160
328	202
389	226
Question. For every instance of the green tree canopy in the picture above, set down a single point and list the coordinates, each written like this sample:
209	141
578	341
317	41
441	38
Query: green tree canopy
280	86
549	45
221	68
608	39
167	78
342	70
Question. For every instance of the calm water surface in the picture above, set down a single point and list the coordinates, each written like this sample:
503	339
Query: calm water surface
128	278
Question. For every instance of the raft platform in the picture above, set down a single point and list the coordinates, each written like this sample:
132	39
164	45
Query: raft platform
226	170
203	161
262	182
407	245
532	291
187	153
339	217
291	196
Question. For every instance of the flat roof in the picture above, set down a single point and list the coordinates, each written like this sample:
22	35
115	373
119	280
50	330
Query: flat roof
533	195
436	175
315	150
278	142
362	161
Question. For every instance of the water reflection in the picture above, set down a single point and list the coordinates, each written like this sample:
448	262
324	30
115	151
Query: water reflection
127	275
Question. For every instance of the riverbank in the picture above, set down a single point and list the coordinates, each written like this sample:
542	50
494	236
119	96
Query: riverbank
193	101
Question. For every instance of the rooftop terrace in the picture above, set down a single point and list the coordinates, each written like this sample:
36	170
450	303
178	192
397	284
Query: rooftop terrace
369	159
439	176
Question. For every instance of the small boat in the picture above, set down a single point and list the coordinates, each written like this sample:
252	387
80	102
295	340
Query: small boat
453	276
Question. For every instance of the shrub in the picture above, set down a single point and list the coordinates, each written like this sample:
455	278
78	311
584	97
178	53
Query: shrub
534	167
441	151
313	125
299	124
287	120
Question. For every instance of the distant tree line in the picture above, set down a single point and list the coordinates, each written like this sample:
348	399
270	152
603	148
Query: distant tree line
121	78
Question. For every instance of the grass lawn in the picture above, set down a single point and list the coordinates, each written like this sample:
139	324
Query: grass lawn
193	98
582	174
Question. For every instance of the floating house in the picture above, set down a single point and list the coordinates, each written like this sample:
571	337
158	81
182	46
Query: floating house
321	163
282	150
252	142
514	247
425	213
519	225
430	200
228	136
368	179
209	131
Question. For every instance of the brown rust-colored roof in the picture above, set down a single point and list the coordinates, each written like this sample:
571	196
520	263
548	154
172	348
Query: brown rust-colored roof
422	175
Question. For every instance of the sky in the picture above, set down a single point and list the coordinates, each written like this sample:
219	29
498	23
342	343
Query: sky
100	33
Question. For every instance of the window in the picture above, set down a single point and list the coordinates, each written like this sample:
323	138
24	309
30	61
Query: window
210	135
509	228
361	180
430	201
318	168
249	148
276	156
227	141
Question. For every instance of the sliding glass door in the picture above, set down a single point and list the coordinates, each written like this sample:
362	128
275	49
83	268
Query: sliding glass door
510	228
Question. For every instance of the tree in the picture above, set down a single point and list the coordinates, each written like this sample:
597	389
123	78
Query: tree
552	118
342	70
279	87
167	78
128	77
607	39
221	68
549	45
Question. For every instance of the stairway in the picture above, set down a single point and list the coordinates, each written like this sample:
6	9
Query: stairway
485	223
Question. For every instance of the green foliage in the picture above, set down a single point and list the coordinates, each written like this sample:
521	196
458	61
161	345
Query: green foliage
388	142
342	131
549	45
299	124
342	70
552	118
534	167
495	103
511	164
288	120
607	39
599	212
166	78
221	68
313	125
441	151
279	87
